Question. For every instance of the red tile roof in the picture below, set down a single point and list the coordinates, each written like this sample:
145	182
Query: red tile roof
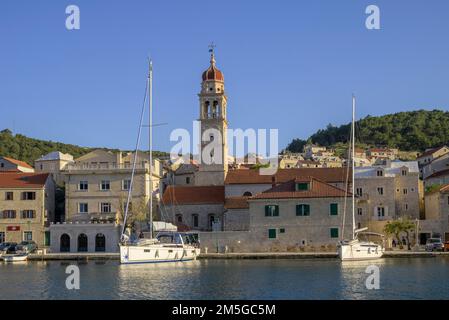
18	162
328	175
317	189
179	195
22	180
236	203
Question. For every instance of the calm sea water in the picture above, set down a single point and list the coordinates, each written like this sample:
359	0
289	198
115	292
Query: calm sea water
402	278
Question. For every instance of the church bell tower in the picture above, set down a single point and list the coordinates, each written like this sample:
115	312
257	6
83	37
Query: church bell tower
213	126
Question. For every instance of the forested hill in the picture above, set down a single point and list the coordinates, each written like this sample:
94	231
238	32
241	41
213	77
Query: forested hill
408	131
27	149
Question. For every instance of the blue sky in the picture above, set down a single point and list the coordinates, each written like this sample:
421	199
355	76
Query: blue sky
291	65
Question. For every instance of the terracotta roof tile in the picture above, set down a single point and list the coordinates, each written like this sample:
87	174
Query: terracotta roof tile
329	175
236	203
18	162
179	195
22	180
317	189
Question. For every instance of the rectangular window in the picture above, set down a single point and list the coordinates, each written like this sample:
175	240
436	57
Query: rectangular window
195	220
380	173
359	191
83	208
28	195
302	186
334	209
83	186
105	207
187	180
126	184
359	211
271	233
105	185
405	206
404	191
334	232
282	230
303	210
404	172
9	196
27	236
380	190
9	214
271	210
2	237
380	211
28	214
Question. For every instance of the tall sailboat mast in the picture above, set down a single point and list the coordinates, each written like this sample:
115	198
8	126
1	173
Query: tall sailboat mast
150	98
353	167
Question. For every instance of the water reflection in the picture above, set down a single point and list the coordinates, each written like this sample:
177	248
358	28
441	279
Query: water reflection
417	278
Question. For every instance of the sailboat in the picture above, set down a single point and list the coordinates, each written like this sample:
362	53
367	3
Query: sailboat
356	249
168	245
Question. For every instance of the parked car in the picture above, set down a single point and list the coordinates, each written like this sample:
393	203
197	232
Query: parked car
27	246
5	245
434	244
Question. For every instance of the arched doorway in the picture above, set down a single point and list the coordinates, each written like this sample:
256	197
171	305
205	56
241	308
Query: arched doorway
64	244
82	243
100	243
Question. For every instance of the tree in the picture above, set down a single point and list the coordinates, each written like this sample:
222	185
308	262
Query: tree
137	211
396	227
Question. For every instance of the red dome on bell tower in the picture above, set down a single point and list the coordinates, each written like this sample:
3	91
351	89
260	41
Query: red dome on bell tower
212	73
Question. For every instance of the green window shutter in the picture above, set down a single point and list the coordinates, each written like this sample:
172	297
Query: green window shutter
302	186
334	209
267	211
334	232
276	211
307	209
299	209
272	233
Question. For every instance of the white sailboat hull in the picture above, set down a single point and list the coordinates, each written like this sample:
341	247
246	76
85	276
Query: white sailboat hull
157	253
359	250
14	257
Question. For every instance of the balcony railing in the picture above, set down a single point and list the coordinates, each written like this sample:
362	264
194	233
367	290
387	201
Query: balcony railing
84	167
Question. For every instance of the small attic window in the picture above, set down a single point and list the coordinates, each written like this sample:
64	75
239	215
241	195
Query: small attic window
302	186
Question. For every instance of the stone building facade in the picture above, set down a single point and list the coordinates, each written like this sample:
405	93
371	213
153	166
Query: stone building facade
26	207
388	192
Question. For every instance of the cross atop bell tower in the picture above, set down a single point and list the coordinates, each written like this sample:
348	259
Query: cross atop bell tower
213	103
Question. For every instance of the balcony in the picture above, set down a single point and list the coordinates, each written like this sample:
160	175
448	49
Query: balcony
93	217
107	167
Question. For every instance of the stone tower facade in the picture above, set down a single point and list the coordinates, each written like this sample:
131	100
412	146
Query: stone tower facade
213	128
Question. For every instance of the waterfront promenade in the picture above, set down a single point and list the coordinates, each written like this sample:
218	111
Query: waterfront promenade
261	255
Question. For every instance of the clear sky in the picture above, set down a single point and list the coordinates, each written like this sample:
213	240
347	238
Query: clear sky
291	65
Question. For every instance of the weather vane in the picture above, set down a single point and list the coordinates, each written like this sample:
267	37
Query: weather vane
212	47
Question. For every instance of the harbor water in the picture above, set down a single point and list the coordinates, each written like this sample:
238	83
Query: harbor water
399	278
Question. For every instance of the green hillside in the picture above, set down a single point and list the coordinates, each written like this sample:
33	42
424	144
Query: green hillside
27	149
408	131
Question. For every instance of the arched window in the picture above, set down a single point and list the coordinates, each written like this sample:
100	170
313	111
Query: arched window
100	243
247	194
82	243
64	244
179	218
206	109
